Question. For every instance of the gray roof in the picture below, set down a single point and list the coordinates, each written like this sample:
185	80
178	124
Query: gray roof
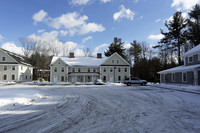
18	58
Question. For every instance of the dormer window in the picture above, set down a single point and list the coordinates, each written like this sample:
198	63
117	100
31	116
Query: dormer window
190	59
3	58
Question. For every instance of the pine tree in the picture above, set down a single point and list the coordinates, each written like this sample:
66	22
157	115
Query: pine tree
116	46
194	25
174	39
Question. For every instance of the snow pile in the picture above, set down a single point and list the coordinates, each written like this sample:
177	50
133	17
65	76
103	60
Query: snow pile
13	97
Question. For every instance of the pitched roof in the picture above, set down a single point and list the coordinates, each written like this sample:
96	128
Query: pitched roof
192	51
80	61
18	58
180	69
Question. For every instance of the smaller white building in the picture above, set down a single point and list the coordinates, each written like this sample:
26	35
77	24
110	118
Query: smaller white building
13	67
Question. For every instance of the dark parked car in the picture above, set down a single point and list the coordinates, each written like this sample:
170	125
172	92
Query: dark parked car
134	80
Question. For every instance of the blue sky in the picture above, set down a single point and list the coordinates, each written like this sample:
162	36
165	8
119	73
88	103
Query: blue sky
79	24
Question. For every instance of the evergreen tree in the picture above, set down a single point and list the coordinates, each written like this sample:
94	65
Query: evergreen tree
116	46
194	25
135	50
174	39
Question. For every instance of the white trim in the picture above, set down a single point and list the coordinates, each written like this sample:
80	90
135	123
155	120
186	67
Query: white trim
118	56
183	76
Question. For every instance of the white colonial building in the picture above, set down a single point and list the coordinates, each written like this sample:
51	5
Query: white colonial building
13	67
87	69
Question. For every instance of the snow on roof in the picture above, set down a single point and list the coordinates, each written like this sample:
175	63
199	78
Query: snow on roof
180	69
192	51
81	61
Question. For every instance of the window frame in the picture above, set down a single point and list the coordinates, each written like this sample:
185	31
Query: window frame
13	77
111	69
5	68
62	69
13	68
189	59
3	58
4	77
125	69
183	76
104	69
79	69
55	69
173	77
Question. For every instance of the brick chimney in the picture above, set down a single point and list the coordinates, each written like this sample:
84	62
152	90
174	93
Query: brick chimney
71	55
99	55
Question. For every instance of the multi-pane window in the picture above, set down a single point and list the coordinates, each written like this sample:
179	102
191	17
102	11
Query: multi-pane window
119	78
94	69
88	69
62	78
3	58
184	77
104	69
119	69
13	77
5	68
4	77
113	61
117	61
73	69
13	68
111	69
190	59
173	77
62	69
79	69
104	78
55	69
125	69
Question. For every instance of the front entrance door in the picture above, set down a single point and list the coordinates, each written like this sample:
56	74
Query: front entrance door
55	79
111	78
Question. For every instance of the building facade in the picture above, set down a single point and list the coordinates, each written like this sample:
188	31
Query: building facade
14	68
86	69
189	73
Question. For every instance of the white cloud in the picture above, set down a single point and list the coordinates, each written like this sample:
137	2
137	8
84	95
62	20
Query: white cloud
155	37
80	2
127	45
45	36
39	16
124	13
40	31
86	39
63	32
157	20
184	4
91	27
1	37
10	46
105	1
68	20
98	48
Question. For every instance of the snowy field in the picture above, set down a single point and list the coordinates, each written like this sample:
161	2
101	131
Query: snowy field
108	108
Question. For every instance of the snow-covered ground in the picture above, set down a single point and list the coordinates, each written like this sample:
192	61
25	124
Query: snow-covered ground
107	108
